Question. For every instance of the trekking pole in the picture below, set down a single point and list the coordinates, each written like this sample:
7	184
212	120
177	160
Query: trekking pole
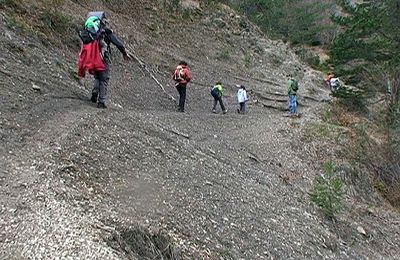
144	66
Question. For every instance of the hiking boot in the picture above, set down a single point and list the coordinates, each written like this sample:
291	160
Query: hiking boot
101	105
295	114
94	97
225	111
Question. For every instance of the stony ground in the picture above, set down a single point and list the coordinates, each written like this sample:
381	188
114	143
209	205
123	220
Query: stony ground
142	181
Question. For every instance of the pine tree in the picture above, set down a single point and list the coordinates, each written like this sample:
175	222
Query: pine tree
370	38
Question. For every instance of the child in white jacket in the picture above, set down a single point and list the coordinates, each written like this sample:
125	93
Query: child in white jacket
242	99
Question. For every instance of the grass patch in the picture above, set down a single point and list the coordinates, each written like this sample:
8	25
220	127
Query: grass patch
43	20
352	99
55	20
275	59
227	254
380	186
377	158
308	57
16	24
247	60
338	114
224	54
321	131
9	3
58	28
140	243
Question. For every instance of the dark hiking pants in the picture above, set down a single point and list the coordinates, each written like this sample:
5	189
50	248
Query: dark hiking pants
242	108
100	83
216	100
182	96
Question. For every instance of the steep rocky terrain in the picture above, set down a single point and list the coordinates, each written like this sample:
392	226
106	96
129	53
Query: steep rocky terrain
142	181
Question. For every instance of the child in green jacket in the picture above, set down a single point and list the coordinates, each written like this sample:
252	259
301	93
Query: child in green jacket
217	91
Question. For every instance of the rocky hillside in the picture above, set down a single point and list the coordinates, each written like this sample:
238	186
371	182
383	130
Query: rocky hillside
142	181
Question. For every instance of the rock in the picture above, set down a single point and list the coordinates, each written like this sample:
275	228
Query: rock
190	4
35	87
219	22
371	211
361	230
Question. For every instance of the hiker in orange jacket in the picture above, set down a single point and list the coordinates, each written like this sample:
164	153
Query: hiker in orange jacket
182	76
328	79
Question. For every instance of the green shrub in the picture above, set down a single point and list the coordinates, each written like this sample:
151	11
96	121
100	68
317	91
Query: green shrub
9	3
328	191
380	186
58	27
247	60
393	116
351	99
15	24
56	20
320	131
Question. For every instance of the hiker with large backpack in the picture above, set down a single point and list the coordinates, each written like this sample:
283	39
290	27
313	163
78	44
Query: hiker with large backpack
293	87
217	92
182	76
95	54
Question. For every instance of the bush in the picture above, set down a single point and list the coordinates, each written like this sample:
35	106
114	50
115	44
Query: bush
383	160
328	191
380	159
351	99
55	21
16	24
247	60
8	3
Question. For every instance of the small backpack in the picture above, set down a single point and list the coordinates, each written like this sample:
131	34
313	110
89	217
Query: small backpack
335	82
91	29
295	85
179	74
214	92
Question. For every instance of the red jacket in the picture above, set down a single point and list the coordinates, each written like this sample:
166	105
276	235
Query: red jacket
183	74
90	59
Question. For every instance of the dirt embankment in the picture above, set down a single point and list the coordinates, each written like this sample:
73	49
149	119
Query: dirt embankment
142	181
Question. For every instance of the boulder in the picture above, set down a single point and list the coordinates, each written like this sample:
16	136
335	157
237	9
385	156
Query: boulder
190	4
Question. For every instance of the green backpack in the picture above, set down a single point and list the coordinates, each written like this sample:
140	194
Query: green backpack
295	85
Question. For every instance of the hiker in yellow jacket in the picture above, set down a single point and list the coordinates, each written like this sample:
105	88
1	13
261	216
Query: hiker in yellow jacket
217	92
